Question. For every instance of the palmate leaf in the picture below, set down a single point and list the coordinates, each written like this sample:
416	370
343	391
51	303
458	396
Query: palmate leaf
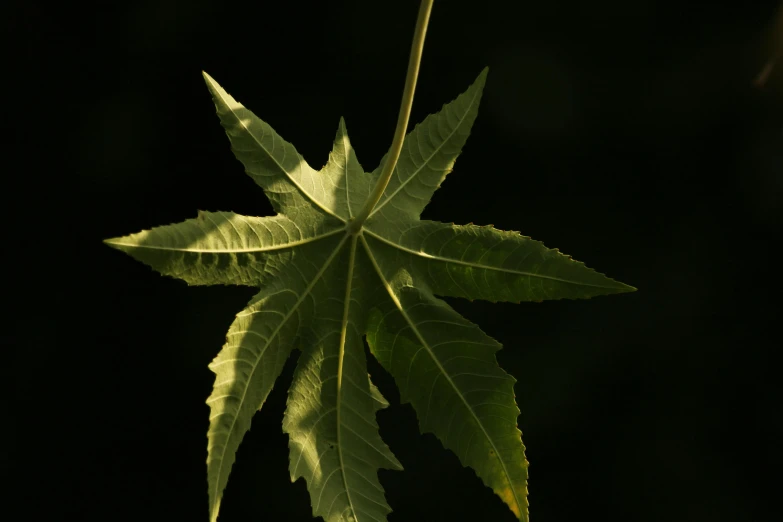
323	287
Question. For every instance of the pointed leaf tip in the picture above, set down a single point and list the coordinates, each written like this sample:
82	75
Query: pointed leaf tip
213	86
481	79
620	288
112	242
342	130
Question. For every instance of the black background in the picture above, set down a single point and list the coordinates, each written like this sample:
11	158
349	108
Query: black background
627	134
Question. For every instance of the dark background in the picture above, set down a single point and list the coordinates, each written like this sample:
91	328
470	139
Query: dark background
627	134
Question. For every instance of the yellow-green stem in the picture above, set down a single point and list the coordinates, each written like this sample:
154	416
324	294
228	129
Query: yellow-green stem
402	120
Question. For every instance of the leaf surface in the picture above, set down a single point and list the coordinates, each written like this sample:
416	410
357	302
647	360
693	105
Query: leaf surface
324	287
330	417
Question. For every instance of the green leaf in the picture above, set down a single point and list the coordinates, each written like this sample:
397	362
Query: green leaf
324	286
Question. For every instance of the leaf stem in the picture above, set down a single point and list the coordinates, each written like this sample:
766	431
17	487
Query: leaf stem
402	120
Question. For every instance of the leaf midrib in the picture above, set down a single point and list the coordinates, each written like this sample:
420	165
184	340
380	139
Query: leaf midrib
232	250
341	359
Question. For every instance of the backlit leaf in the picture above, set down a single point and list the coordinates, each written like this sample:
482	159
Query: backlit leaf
323	288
